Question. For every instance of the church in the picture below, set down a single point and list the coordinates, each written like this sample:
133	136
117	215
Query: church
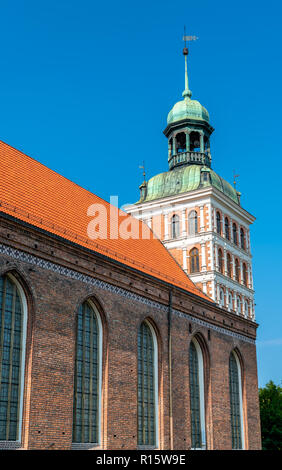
114	341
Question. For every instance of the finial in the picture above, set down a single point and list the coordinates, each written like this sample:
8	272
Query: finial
187	93
144	173
235	176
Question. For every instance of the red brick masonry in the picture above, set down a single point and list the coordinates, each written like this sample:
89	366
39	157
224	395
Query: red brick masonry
57	276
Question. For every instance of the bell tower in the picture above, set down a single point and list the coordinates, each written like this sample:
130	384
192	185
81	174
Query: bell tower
188	130
197	214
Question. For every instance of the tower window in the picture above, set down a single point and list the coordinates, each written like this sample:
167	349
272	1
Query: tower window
229	267
234	229
175	231
245	277
147	386
230	302
227	234
218	223
194	261
237	271
194	141
181	142
242	239
220	261
193	222
221	298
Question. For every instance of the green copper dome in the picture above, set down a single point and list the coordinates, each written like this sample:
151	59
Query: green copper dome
184	179
188	109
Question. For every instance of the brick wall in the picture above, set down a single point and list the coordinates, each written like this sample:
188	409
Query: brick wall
53	302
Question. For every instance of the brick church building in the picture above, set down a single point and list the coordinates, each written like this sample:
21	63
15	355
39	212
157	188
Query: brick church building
105	341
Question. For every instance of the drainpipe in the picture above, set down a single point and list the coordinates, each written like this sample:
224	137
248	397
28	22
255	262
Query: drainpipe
170	371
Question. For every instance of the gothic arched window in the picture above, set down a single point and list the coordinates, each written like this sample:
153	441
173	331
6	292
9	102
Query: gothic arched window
194	261
236	410
147	386
229	266
246	308
13	308
227	233
245	276
193	222
87	378
221	297
220	261
197	401
234	229
242	238
230	301
218	222
237	271
175	232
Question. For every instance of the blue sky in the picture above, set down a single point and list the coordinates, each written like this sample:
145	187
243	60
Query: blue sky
85	88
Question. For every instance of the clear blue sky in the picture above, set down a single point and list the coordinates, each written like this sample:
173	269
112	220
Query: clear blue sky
85	88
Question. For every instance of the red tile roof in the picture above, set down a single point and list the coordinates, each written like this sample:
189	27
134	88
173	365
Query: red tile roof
33	193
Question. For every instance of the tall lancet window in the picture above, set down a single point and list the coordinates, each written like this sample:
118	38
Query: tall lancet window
147	386
194	261
235	238
13	308
218	223
197	403
88	371
227	233
236	409
175	231
193	222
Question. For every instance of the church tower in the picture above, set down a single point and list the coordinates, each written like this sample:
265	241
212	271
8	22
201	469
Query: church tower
197	214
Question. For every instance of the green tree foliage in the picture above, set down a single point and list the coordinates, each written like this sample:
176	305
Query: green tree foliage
270	398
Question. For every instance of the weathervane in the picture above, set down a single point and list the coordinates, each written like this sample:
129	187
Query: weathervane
187	93
235	176
144	173
187	38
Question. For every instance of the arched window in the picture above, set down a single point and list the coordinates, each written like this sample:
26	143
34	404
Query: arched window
147	386
194	261
236	409
237	270
245	276
229	265
234	229
227	233
175	232
239	304
221	298
13	307
218	222
180	142
246	308
242	238
220	261
87	378
195	145
193	222
230	302
197	400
